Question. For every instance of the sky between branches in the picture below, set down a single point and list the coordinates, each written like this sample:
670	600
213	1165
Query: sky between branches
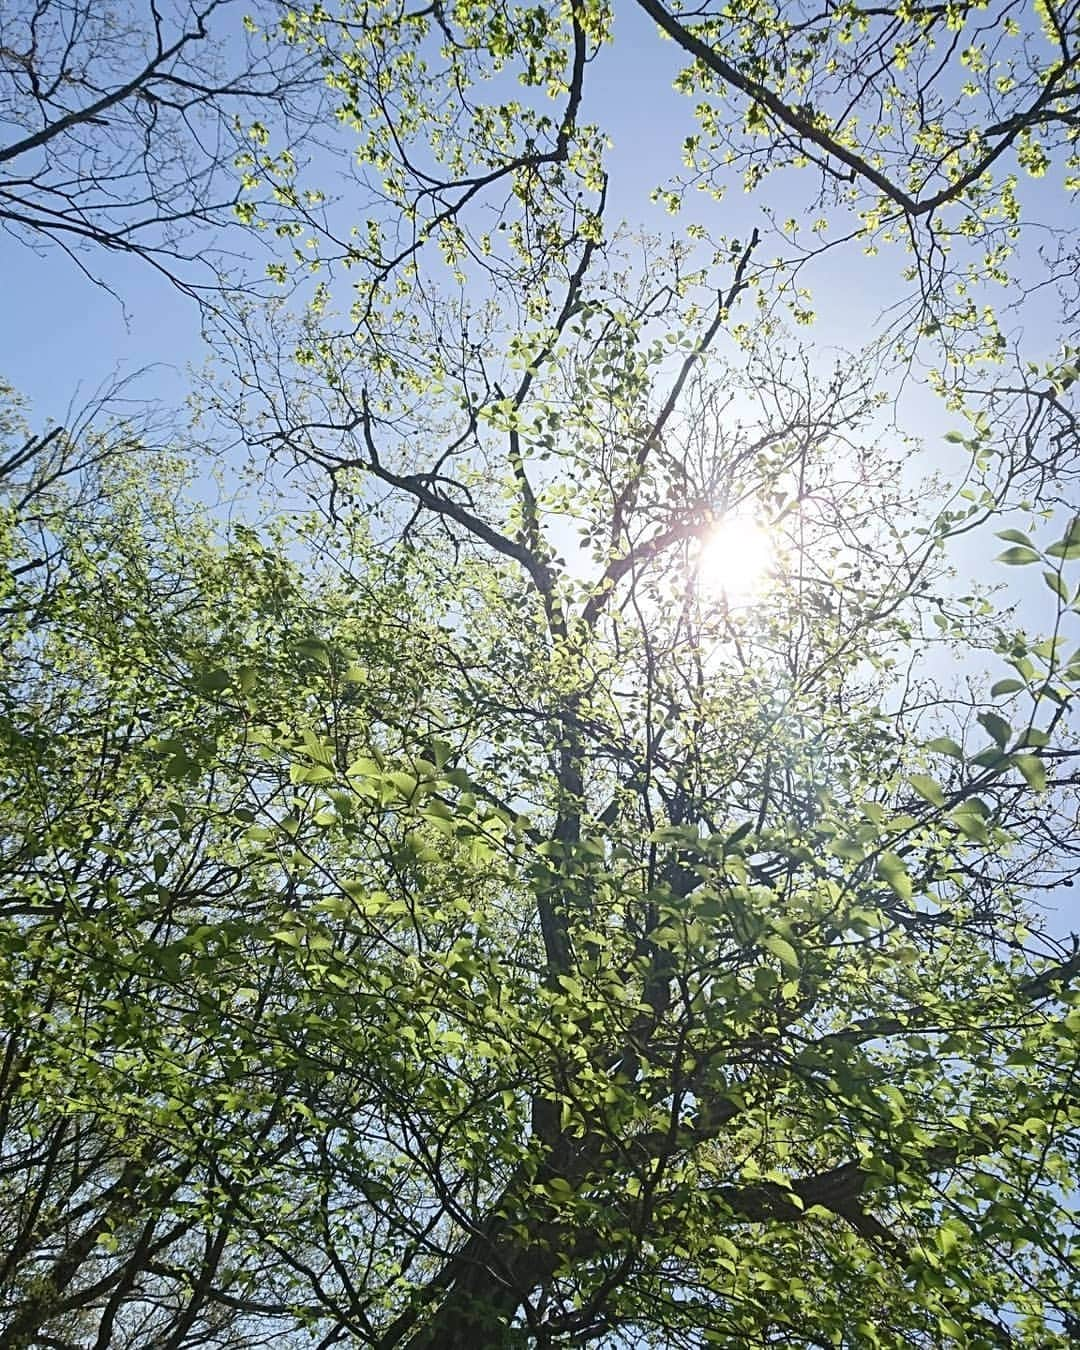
64	337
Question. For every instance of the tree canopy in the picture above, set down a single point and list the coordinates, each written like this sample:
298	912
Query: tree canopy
440	908
120	127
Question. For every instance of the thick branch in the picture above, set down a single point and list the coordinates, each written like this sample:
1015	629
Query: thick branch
805	128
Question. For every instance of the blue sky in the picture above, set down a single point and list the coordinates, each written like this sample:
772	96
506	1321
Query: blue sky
61	333
62	336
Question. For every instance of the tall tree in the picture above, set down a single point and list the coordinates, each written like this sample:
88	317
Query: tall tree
546	953
787	1064
152	1107
555	941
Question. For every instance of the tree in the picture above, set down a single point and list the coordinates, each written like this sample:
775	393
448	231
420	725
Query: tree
768	1041
149	1138
505	936
916	125
596	959
137	129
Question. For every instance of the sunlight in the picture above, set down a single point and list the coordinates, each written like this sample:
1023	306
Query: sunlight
734	558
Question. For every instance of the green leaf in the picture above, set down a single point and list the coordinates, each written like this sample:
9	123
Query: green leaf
891	869
214	681
943	745
970	821
1033	769
405	783
847	846
1008	686
783	949
1068	546
998	728
738	835
315	650
441	752
990	757
927	788
1018	557
1056	582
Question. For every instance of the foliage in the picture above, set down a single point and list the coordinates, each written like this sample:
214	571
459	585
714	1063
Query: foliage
445	919
379	974
922	126
154	1107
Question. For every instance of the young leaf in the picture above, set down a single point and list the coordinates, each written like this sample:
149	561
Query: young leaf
1068	546
1018	556
927	788
999	729
891	869
1056	582
1033	769
783	949
969	820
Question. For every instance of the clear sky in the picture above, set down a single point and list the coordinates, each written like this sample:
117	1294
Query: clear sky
62	336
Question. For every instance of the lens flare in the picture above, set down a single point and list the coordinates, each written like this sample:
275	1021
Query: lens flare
734	559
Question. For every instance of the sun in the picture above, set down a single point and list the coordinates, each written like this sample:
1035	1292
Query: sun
734	558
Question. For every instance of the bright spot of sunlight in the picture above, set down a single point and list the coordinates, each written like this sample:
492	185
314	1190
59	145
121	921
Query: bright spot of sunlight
734	558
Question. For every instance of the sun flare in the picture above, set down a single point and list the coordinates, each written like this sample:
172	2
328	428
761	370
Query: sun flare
734	558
